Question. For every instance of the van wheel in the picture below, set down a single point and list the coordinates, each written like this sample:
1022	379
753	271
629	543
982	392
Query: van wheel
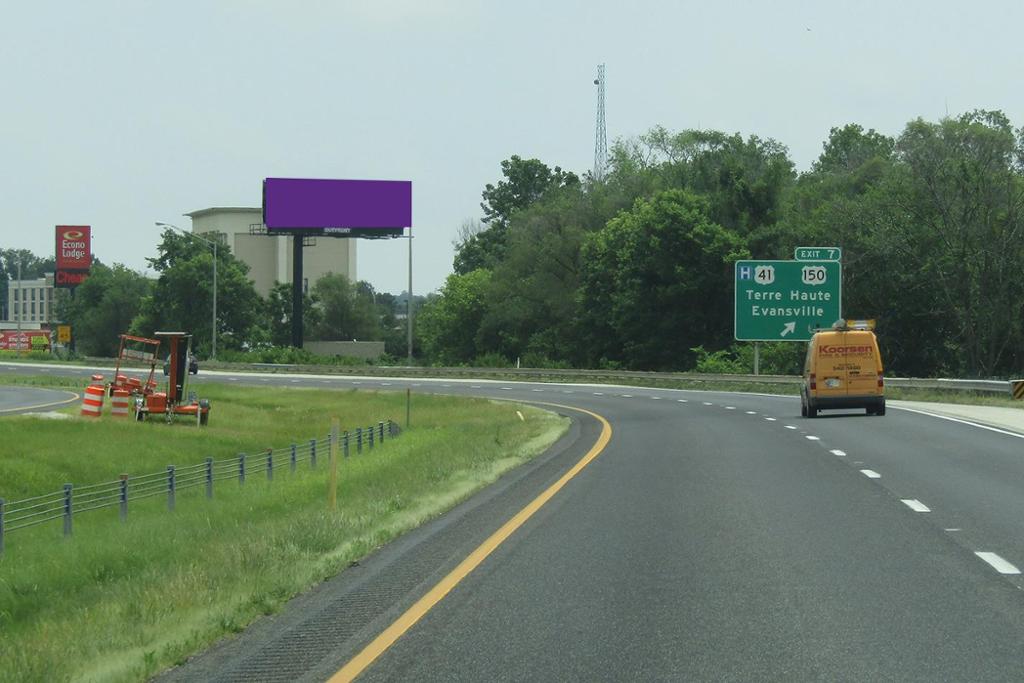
812	411
881	409
803	406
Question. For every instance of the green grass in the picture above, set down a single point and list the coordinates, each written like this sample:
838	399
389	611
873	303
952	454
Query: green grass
122	601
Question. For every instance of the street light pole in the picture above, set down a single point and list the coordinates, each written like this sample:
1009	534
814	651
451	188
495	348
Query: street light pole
212	243
19	306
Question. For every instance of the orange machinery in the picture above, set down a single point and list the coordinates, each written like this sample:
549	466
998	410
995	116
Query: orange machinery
140	349
176	400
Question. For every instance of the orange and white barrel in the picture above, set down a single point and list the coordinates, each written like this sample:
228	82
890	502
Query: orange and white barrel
92	402
119	403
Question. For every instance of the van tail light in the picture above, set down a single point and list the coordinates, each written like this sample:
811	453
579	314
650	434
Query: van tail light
881	382
814	381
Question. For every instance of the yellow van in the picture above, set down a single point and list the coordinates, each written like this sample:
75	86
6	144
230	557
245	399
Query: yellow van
843	369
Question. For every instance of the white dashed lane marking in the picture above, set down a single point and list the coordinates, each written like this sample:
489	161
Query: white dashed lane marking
598	393
836	451
232	379
681	400
627	395
730	407
770	419
998	563
915	505
751	412
790	427
871	474
655	398
812	438
708	404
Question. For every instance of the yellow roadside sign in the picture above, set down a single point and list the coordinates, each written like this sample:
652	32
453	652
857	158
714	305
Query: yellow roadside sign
63	334
1017	388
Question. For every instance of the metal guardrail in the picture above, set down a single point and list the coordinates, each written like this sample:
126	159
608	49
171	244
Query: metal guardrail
72	500
542	375
552	374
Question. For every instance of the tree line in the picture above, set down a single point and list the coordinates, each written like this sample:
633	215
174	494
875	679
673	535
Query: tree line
117	299
636	271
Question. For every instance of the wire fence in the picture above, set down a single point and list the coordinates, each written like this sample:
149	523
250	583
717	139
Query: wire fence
73	500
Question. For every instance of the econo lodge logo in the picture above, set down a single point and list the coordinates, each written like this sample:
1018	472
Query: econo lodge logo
73	247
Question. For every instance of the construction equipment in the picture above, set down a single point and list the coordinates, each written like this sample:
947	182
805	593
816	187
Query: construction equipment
176	400
141	349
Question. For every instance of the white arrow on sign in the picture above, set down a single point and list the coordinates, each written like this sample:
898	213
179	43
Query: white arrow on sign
789	328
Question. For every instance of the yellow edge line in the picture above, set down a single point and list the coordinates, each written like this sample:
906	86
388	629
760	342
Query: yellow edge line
392	633
74	397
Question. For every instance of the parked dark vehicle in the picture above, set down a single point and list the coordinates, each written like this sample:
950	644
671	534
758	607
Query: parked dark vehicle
193	365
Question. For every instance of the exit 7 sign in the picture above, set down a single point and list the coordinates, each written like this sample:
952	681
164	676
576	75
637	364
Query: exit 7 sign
786	300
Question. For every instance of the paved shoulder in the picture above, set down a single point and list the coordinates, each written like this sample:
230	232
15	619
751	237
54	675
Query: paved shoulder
1011	419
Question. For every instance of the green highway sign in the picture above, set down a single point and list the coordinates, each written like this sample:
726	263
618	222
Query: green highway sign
786	300
818	254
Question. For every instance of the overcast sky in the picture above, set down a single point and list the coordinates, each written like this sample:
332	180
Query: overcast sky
119	114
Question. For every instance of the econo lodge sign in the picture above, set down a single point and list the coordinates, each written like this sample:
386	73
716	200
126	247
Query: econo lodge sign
73	255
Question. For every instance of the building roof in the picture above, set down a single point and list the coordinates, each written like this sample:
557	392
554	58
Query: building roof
222	209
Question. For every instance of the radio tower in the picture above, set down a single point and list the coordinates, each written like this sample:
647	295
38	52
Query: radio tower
601	139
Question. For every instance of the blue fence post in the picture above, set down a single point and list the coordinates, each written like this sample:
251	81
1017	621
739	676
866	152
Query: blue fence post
294	458
67	509
270	464
124	497
359	439
344	443
312	452
170	488
381	432
241	468
371	430
2	526
209	477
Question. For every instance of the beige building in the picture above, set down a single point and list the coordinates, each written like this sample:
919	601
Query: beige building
30	302
270	257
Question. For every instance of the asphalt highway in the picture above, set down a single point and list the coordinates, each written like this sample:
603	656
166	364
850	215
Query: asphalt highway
19	399
715	536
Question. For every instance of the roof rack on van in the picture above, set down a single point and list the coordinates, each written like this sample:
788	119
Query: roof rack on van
866	324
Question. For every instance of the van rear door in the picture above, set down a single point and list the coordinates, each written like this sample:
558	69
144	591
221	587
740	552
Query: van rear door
861	365
830	365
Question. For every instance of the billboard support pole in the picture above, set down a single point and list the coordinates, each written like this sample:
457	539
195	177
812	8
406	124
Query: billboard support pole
408	308
297	291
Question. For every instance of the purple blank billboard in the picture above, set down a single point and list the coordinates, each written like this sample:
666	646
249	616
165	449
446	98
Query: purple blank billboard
290	203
